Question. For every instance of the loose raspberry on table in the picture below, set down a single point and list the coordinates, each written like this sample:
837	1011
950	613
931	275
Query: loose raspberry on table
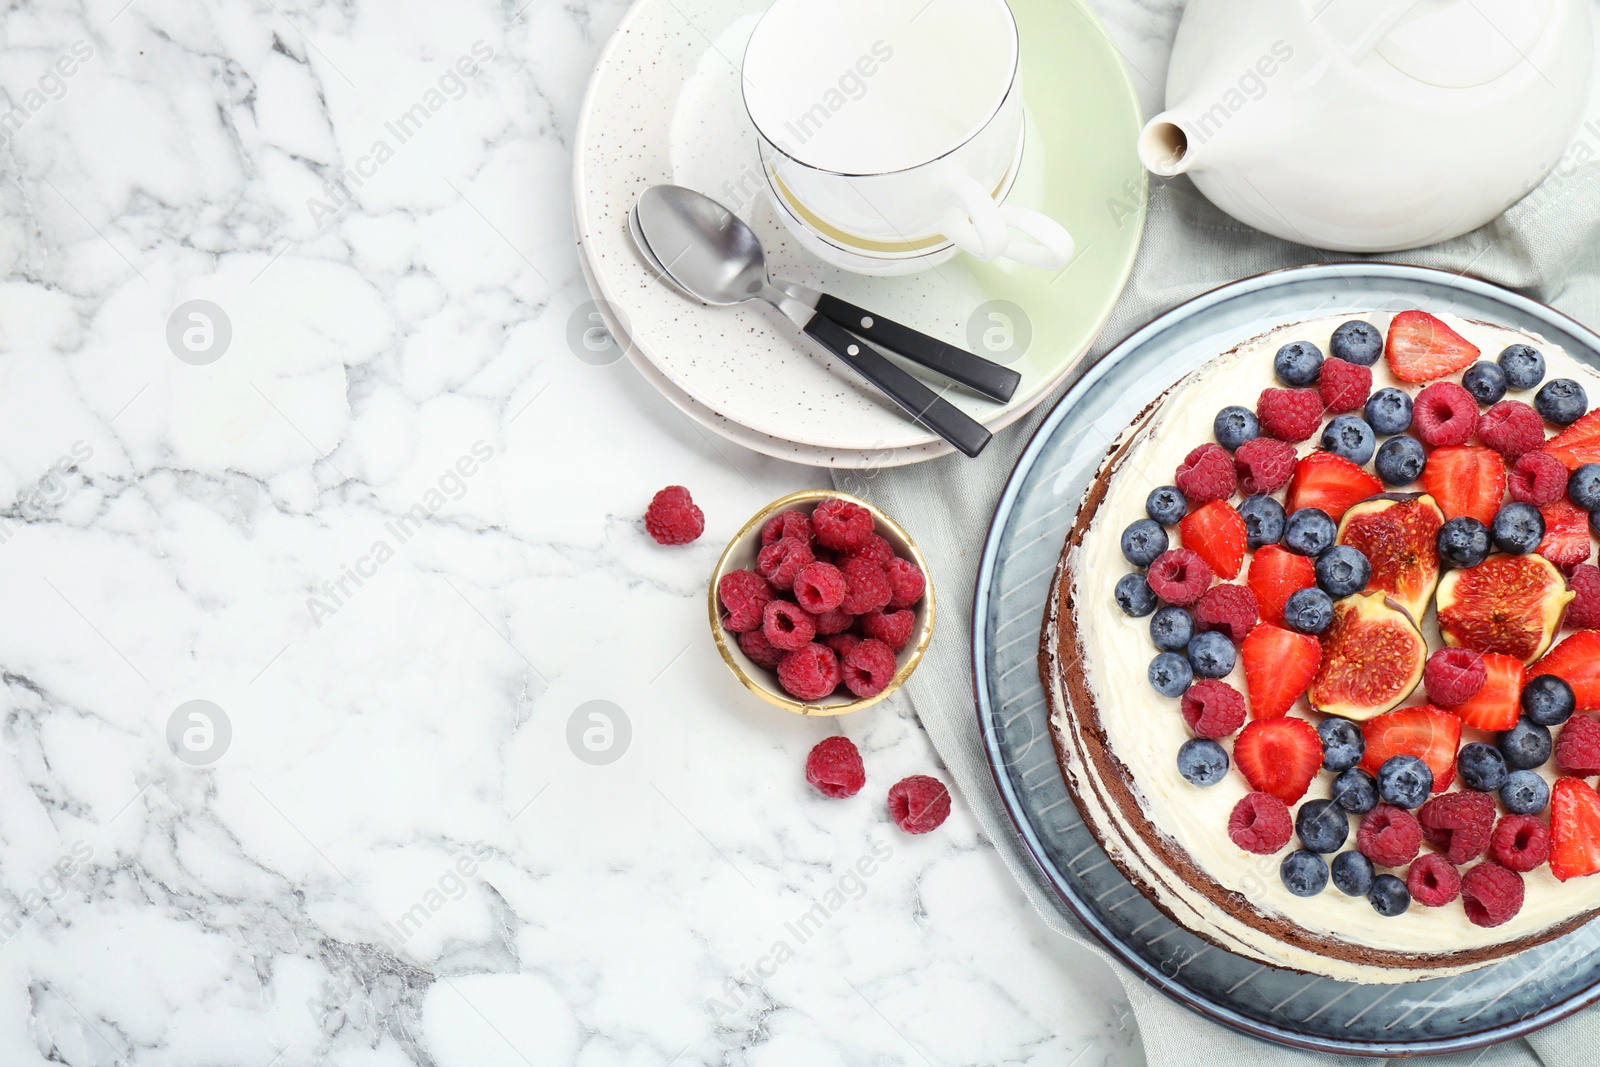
868	587
1459	823
1520	842
1491	894
788	626
1578	747
841	525
1454	676
1206	473
1212	708
780	561
907	582
762	653
1179	576
876	549
1432	881
743	594
1260	823
786	524
810	672
672	517
1444	414
836	621
834	766
1389	836
1291	415
1512	429
919	803
893	628
1344	386
1229	608
1264	465
841	645
1537	478
1583	610
819	587
868	667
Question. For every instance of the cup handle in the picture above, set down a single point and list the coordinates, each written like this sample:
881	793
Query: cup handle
975	223
1050	246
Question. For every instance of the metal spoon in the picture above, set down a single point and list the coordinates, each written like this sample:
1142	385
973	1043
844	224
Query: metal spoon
709	253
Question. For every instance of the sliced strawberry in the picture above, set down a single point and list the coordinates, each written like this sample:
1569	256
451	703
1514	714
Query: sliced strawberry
1426	732
1421	348
1466	480
1566	534
1497	705
1579	443
1276	574
1279	756
1574	829
1576	661
1330	482
1278	666
1216	533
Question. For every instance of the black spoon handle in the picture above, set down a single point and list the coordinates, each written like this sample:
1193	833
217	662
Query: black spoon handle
957	364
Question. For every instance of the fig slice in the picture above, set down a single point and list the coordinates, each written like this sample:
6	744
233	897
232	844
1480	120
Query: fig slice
1506	604
1372	658
1398	533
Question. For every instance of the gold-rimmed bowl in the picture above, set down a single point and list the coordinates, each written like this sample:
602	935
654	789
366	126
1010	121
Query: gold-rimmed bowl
741	555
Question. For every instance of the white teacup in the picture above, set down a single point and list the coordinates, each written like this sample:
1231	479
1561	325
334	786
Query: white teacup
891	131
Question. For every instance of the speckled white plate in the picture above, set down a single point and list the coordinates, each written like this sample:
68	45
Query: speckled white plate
663	105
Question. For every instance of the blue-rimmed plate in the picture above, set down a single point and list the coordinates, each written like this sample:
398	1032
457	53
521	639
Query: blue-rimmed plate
1040	502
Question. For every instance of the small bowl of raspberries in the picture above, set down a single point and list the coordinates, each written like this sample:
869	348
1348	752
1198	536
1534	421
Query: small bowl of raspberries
821	604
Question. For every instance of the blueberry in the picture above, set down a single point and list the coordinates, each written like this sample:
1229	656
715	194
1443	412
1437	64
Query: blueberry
1166	505
1350	437
1389	895
1342	743
1297	363
1482	767
1170	674
1234	426
1352	874
1525	793
1355	791
1134	595
1463	542
1561	401
1304	873
1322	826
1517	528
1143	541
1171	628
1583	486
1594	522
1263	520
1524	366
1202	761
1309	532
1400	460
1486	382
1548	701
1358	342
1525	745
1388	411
1404	781
1211	654
1309	610
1343	571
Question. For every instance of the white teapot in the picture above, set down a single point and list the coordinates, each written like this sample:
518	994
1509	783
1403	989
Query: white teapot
1371	125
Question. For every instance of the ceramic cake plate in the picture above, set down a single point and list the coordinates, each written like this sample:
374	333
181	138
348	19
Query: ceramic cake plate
1039	504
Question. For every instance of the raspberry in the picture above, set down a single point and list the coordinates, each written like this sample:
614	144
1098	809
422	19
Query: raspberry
786	524
1512	429
1229	608
1444	414
1491	894
1453	676
1179	576
744	594
810	672
819	587
919	803
1291	415
841	525
762	653
1537	478
788	626
672	518
868	666
841	645
1260	823
1207	474
1212	708
1583	610
893	628
868	586
1264	465
834	767
1432	881
1344	386
780	561
906	580
1389	836
836	621
1578	747
1459	823
876	549
1520	842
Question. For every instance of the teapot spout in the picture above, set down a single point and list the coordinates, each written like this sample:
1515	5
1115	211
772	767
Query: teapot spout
1169	144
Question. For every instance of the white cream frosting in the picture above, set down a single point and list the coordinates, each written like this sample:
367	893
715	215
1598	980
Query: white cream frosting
1144	730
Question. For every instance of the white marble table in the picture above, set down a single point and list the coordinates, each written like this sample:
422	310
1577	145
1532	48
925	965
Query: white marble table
371	509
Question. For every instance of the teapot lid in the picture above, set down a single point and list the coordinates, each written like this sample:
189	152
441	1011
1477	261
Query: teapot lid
1457	44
